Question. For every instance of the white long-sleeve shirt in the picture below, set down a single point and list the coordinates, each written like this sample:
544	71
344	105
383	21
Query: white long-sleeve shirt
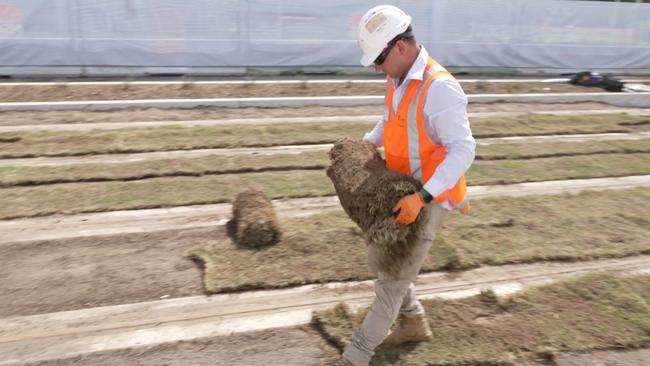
445	122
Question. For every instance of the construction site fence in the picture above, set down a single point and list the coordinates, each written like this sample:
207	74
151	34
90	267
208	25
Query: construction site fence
147	36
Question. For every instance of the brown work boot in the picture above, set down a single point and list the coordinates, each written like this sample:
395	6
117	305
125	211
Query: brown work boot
341	361
410	329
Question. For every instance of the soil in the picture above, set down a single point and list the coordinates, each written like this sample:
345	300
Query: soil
299	346
603	358
120	269
205	113
49	276
130	92
98	271
368	196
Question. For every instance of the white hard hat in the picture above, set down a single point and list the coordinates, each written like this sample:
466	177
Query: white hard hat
378	27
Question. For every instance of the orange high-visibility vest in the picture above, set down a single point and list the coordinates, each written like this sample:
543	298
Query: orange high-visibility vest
408	148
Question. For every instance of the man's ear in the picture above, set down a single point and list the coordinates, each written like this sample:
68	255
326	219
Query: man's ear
401	46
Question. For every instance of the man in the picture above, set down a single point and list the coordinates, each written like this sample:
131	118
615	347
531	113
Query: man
426	134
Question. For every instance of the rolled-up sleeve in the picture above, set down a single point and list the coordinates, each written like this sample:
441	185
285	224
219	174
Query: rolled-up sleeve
445	113
376	136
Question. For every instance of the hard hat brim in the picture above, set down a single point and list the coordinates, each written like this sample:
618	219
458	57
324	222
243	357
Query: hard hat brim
367	59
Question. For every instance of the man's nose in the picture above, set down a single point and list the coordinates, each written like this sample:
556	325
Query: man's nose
378	68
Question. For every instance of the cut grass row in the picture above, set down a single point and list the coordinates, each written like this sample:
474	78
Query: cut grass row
23	176
330	247
73	198
594	312
187	90
71	143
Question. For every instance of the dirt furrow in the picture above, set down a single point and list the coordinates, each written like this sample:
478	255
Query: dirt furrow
270	121
216	113
300	346
287	149
63	92
79	332
206	216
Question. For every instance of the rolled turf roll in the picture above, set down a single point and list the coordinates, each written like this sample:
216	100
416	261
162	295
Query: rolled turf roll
368	192
254	223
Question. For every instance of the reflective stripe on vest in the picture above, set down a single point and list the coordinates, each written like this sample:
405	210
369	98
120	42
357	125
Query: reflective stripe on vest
406	140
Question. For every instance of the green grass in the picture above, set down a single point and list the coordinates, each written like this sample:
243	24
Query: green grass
11	176
557	228
594	312
68	143
548	125
157	192
330	247
127	92
178	191
568	167
529	150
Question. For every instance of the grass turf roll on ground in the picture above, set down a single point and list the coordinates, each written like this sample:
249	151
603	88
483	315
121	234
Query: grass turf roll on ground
254	223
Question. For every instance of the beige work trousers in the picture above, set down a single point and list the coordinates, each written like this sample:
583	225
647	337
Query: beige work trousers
394	295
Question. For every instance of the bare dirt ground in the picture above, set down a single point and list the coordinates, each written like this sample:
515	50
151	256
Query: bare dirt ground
127	92
152	114
90	272
49	276
300	346
58	275
604	358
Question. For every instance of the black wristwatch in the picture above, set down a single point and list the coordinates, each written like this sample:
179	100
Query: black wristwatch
426	196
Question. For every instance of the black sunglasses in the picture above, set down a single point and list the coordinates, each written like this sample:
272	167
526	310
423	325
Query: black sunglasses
382	56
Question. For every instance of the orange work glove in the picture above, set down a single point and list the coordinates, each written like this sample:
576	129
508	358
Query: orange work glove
408	208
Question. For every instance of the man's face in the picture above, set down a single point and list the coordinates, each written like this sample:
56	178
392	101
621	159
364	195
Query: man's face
391	65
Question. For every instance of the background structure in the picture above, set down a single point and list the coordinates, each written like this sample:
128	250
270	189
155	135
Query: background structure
146	36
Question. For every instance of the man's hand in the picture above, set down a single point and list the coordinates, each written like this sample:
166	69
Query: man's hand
408	208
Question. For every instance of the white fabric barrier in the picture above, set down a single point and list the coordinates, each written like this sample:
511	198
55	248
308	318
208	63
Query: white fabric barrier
200	34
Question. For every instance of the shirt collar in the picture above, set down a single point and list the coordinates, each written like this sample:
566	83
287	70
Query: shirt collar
416	72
